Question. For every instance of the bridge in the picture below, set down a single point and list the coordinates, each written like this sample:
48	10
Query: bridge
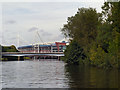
38	50
31	54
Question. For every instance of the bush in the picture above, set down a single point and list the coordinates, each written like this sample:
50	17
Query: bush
74	53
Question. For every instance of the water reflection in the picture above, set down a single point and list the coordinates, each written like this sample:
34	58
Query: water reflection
55	74
34	74
91	77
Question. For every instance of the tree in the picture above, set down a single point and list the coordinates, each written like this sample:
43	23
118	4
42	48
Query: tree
97	34
11	48
113	18
74	53
82	27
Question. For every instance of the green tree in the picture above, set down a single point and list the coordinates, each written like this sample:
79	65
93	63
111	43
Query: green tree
82	27
97	34
11	48
112	11
74	53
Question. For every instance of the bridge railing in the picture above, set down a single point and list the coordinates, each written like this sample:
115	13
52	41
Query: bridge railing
31	52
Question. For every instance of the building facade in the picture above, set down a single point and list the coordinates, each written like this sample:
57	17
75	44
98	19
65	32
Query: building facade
41	48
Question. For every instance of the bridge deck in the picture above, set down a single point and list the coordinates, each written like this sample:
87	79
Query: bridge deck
32	54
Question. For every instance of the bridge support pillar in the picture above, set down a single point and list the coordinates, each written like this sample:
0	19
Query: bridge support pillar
44	57
59	58
34	57
18	58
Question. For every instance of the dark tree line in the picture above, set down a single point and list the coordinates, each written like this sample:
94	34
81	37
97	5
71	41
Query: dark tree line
95	36
11	48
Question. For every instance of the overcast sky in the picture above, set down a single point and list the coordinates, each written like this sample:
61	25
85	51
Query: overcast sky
24	18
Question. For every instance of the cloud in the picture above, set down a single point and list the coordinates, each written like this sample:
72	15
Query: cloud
9	31
10	22
46	17
40	31
32	29
12	38
23	11
58	37
46	34
35	28
51	1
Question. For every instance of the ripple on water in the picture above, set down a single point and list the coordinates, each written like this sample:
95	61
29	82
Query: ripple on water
55	74
34	74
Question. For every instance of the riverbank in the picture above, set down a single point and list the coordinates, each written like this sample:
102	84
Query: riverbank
11	48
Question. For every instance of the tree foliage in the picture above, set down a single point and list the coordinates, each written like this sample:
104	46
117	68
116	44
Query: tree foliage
82	26
74	53
11	48
97	34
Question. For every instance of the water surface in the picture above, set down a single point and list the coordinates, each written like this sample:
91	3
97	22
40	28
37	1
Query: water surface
34	74
91	77
52	73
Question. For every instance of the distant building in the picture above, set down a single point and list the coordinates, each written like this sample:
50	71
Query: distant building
54	47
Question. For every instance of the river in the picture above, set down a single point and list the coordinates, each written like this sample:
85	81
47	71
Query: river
51	73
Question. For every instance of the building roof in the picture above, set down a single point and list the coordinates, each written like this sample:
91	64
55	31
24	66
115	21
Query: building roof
30	46
40	45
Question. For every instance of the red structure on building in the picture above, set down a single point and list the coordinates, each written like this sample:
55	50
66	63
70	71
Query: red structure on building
60	43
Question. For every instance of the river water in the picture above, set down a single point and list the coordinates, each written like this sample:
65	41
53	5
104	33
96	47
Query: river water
52	73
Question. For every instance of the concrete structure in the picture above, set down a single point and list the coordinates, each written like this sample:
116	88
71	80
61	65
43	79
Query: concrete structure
33	55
